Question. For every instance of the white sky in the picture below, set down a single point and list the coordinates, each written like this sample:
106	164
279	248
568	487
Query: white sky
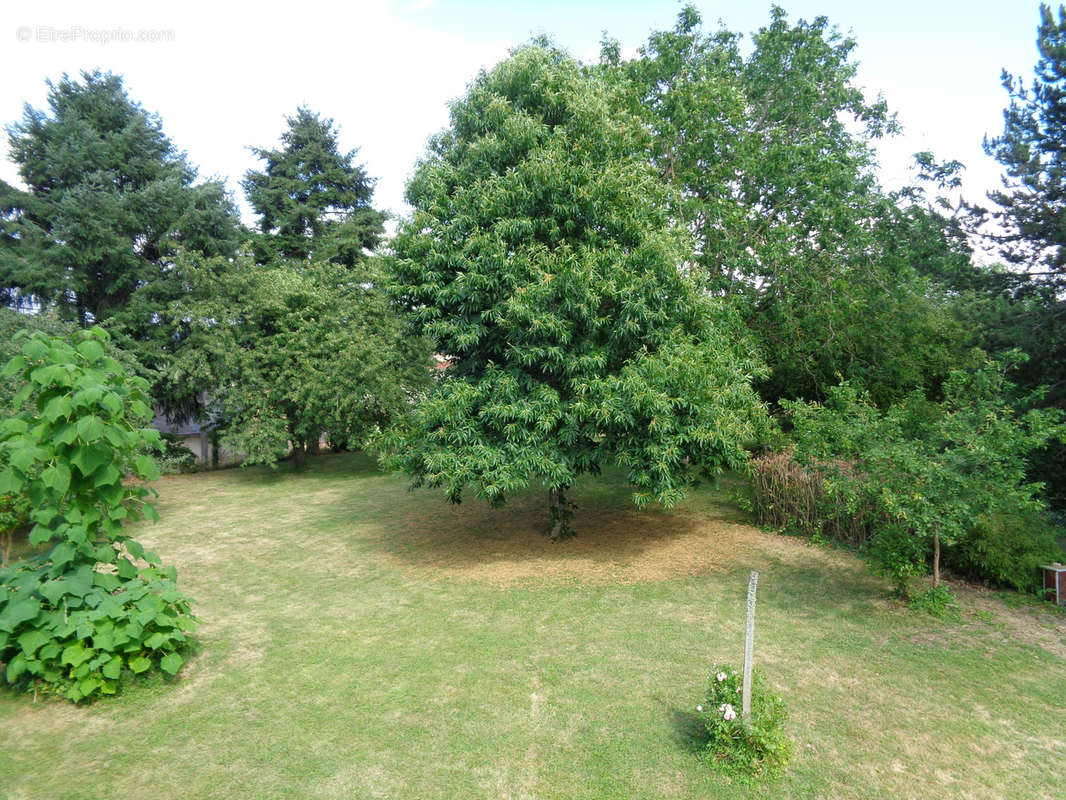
384	71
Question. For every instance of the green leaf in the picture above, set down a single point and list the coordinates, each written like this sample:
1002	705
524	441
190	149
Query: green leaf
56	408
91	349
62	554
10	483
15	668
112	669
30	641
146	467
108	583
90	428
89	458
75	654
126	569
171	663
139	664
14	366
14	614
108	475
156	640
88	685
104	640
80	582
66	434
35	349
53	591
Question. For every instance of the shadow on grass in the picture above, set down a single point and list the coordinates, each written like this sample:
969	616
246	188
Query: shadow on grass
615	539
686	730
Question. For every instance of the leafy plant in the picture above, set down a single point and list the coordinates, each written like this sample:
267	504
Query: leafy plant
751	747
915	481
14	514
95	605
937	602
176	457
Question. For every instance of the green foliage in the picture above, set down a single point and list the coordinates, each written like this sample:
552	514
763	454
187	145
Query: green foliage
313	203
1007	549
538	258
937	602
1023	306
287	353
920	475
1032	207
770	158
175	457
108	199
95	604
756	747
14	517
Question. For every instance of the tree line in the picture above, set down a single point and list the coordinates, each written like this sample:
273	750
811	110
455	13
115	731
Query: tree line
669	262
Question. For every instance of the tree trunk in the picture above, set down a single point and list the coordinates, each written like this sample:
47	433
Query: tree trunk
560	511
314	446
299	455
936	560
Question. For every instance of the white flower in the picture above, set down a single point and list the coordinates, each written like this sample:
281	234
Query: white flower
727	712
699	708
721	676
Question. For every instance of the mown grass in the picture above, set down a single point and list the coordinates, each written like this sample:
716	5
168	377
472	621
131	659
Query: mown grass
359	640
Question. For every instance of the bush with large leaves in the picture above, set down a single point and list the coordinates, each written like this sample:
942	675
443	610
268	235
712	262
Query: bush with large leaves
95	605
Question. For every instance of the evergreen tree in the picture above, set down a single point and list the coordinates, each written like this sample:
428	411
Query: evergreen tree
539	258
313	202
1027	307
108	201
1032	148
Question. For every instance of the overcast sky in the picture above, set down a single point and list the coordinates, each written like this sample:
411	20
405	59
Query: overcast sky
224	75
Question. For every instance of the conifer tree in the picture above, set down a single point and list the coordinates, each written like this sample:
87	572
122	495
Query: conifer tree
108	200
313	202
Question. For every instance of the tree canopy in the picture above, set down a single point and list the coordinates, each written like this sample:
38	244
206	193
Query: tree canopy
1032	201
313	202
288	353
108	200
771	163
539	259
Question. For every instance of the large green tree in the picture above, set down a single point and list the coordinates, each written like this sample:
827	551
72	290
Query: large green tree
1024	306
313	202
108	198
771	160
539	258
1032	202
287	353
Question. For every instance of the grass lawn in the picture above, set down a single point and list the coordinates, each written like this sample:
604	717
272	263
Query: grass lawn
359	640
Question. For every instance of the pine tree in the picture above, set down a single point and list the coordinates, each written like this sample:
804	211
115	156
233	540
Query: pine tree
313	202
108	200
1032	148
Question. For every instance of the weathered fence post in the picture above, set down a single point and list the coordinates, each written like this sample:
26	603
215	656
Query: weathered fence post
749	646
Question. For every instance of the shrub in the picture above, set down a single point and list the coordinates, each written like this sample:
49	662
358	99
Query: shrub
95	606
910	481
745	748
819	502
1007	549
176	457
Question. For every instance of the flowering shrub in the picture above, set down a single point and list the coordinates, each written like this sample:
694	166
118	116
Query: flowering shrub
753	747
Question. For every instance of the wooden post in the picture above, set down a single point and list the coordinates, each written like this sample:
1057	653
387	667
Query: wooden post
749	646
